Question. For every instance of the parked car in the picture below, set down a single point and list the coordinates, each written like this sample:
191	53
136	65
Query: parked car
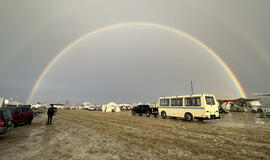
21	114
98	109
5	121
37	111
144	109
91	108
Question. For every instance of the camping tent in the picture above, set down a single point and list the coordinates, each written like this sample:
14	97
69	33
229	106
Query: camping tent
111	107
66	106
2	100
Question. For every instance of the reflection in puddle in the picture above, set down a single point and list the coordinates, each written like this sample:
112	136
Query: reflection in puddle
241	120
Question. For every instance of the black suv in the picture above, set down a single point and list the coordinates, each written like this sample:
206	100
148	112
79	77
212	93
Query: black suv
5	121
144	109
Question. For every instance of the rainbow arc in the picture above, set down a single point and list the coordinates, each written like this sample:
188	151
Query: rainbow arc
146	24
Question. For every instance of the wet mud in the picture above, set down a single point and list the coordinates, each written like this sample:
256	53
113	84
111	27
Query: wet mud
96	135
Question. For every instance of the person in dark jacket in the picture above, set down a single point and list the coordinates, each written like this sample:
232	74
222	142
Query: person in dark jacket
50	114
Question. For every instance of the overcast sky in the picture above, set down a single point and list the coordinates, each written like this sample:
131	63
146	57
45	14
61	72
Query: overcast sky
134	63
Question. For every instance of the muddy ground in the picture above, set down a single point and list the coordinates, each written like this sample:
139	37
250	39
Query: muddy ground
98	135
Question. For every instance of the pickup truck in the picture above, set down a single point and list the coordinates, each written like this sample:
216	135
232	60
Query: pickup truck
144	109
37	111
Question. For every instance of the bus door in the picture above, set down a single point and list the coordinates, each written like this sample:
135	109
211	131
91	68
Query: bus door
210	105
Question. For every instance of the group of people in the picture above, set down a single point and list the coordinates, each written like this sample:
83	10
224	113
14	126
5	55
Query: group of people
51	111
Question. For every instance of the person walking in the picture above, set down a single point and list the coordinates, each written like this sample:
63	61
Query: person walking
50	114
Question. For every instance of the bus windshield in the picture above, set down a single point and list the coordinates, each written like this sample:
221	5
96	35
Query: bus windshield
210	100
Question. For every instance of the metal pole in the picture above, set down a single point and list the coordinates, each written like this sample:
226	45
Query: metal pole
191	87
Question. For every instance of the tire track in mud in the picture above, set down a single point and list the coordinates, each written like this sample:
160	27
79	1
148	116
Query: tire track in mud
195	141
98	135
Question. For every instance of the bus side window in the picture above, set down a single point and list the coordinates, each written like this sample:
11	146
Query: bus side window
188	101
179	101
196	101
210	100
166	102
161	102
173	102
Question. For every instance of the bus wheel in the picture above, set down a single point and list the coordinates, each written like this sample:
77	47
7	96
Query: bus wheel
188	117
163	115
148	114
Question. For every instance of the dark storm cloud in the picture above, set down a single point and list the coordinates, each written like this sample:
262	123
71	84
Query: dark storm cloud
33	32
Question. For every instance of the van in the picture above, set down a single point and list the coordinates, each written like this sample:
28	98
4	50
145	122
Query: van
189	107
21	114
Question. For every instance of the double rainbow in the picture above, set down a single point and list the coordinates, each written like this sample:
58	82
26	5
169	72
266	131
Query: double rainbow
147	24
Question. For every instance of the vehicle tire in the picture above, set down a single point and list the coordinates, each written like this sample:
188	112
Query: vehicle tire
133	113
155	115
163	115
188	117
148	114
29	120
140	113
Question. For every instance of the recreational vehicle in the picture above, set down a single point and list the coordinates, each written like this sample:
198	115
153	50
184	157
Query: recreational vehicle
189	107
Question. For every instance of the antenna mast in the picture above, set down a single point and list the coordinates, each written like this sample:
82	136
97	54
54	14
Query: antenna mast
191	87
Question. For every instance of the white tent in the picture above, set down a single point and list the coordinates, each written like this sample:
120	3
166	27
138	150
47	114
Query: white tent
66	106
255	103
86	105
59	106
111	107
2	100
38	105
